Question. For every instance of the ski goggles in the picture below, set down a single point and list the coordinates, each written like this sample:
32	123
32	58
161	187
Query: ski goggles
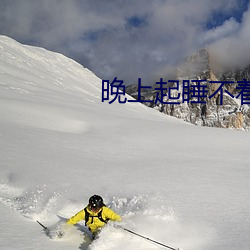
94	208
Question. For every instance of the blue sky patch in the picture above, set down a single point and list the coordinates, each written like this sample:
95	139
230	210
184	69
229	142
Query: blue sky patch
218	17
136	21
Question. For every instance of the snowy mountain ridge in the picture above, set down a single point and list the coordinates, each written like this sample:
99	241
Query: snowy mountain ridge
208	111
182	185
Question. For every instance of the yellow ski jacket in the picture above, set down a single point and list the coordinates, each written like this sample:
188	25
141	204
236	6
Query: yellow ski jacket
94	223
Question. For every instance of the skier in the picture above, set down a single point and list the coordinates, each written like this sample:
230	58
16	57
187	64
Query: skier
95	214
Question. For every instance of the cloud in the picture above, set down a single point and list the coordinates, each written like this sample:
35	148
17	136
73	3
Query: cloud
226	29
232	50
124	39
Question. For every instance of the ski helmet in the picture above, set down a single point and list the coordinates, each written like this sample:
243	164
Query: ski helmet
95	202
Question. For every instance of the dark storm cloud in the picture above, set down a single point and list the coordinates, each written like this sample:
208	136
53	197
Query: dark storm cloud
127	39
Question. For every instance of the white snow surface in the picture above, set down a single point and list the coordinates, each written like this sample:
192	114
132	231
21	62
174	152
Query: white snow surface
182	185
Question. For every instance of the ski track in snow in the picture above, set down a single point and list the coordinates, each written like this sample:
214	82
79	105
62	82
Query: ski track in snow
43	117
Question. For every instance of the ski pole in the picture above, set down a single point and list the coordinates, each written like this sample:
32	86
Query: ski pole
146	238
45	228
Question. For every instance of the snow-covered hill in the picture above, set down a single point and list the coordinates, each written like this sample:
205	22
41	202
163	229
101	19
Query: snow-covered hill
176	183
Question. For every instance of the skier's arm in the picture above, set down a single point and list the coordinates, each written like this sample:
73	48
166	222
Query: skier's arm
77	217
110	214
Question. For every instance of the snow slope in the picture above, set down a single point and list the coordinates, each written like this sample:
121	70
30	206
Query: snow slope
60	144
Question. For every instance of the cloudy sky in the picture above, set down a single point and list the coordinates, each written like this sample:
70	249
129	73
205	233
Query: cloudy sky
129	39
